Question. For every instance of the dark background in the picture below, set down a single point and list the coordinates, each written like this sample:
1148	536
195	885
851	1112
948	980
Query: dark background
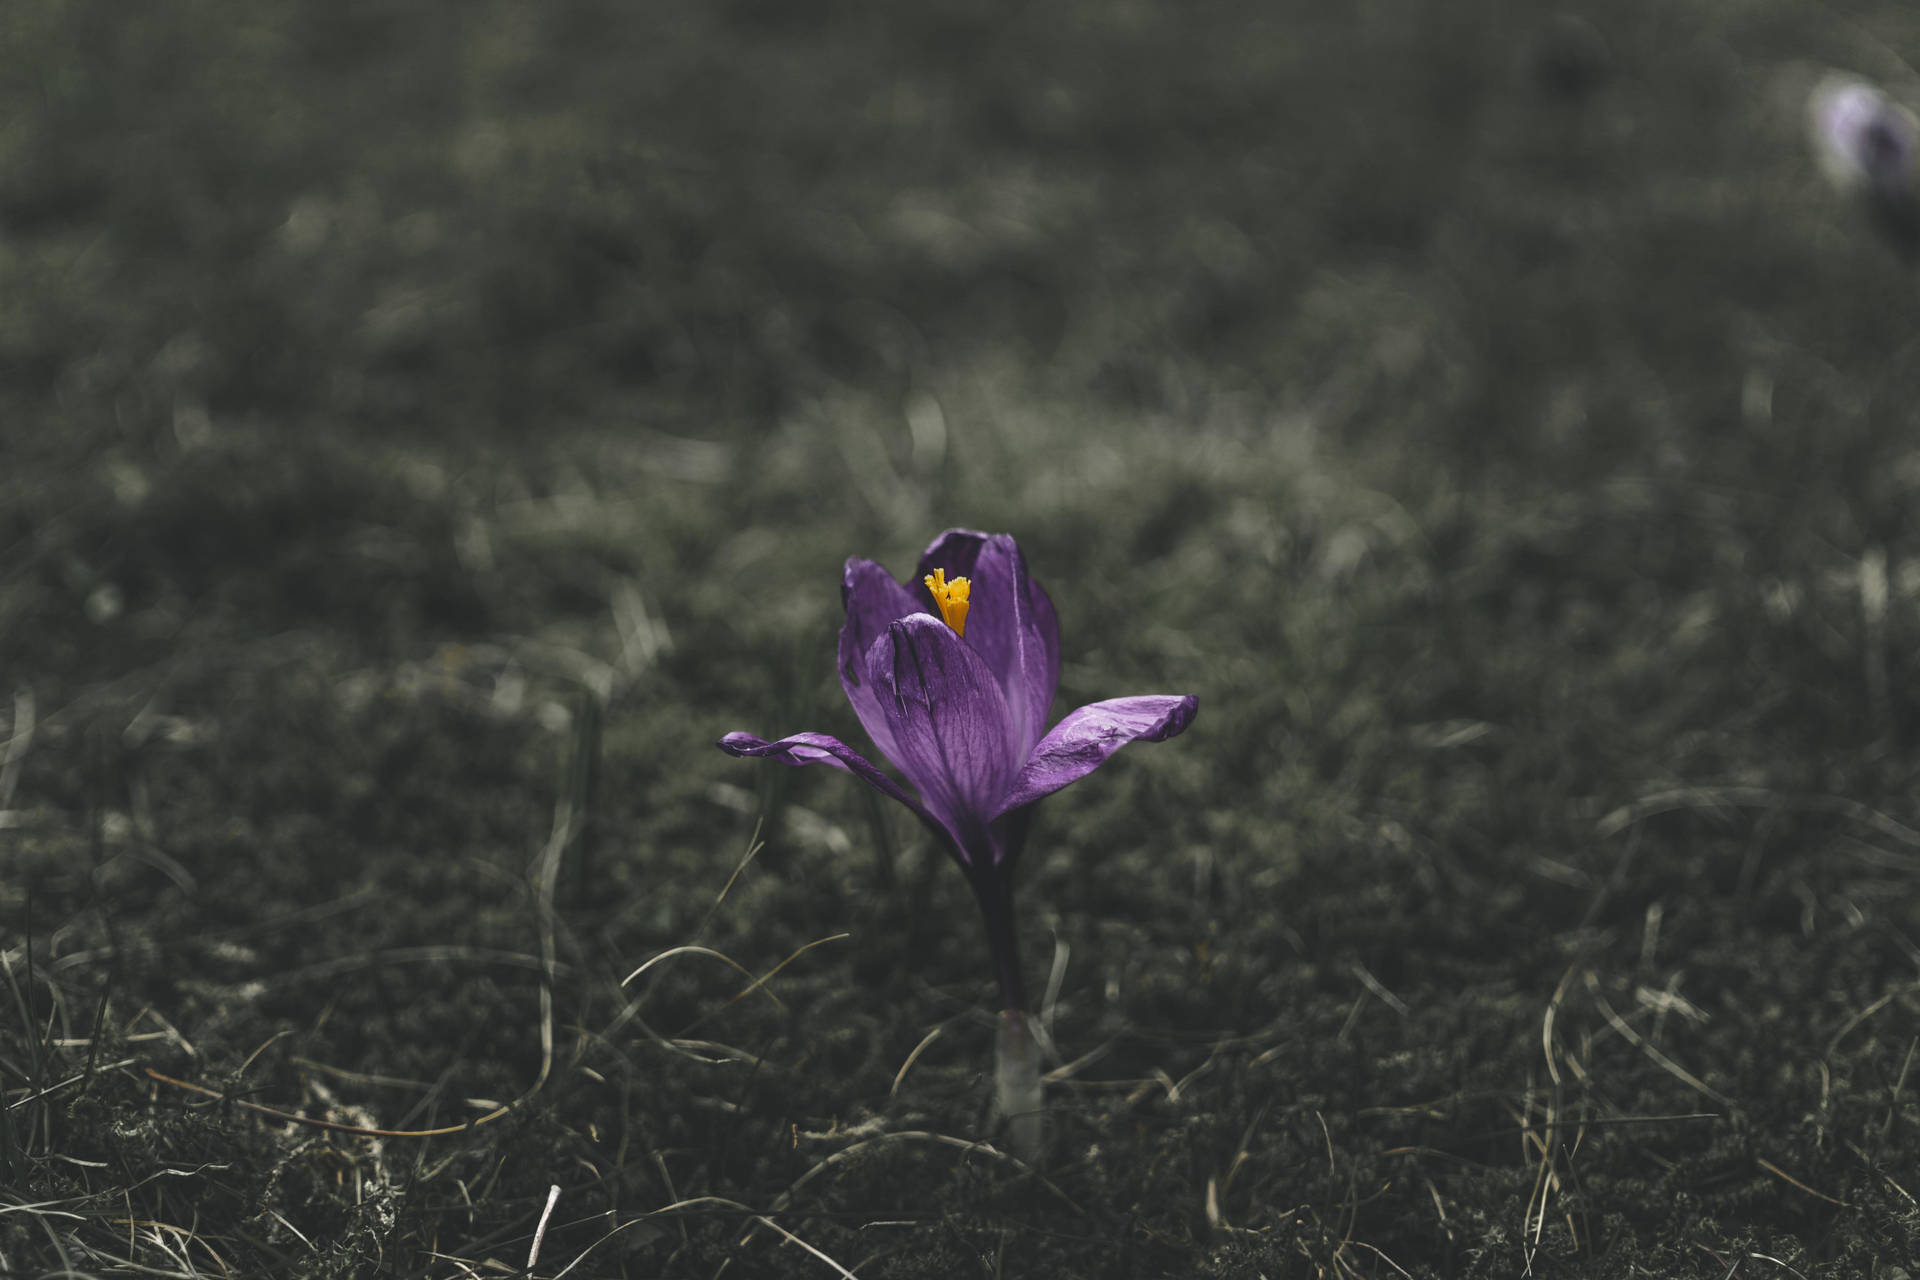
424	423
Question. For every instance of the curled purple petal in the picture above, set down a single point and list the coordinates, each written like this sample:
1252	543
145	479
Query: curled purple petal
956	551
1011	625
1081	742
821	748
874	601
952	734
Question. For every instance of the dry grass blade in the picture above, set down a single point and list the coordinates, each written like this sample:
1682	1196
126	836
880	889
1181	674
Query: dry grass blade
926	1042
332	1126
1847	1027
540	1232
1717	798
768	976
1794	1182
694	949
1654	1055
785	1199
19	743
760	1219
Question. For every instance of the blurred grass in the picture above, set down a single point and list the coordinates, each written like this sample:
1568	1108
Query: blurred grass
1517	462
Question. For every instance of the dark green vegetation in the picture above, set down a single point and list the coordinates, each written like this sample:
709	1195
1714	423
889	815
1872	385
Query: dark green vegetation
1517	453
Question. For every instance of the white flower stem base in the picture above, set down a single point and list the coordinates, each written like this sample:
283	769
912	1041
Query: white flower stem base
1016	1084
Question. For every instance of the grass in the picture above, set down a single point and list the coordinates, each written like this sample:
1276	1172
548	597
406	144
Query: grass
427	430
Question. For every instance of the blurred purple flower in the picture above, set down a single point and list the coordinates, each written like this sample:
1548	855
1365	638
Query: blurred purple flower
1864	139
1869	148
952	676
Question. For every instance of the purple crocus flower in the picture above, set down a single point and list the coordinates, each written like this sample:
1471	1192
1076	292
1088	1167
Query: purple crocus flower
1862	137
952	675
1868	146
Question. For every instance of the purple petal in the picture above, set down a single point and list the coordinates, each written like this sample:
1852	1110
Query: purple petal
1082	742
820	748
1011	625
956	551
874	601
952	734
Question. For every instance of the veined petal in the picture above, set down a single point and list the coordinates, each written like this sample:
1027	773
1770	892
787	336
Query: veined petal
821	748
952	734
1081	742
874	601
1011	623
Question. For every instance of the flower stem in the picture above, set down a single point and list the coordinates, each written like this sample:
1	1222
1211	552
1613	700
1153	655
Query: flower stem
1016	1056
994	891
1016	1084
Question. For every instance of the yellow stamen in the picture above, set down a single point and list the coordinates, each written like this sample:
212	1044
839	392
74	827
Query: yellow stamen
952	598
